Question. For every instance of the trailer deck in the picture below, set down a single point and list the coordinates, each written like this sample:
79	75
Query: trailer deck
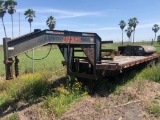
113	67
121	62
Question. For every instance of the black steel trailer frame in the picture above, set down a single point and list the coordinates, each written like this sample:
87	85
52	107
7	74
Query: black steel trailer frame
93	66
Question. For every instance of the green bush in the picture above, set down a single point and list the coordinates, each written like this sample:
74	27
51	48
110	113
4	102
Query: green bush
28	87
64	96
73	85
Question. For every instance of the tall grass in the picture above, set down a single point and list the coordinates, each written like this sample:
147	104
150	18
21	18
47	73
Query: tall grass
61	103
154	109
14	116
5	100
27	87
64	96
150	73
31	87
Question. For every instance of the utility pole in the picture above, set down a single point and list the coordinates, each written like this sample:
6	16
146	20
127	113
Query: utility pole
19	25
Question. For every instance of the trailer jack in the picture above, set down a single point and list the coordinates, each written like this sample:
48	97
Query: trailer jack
8	66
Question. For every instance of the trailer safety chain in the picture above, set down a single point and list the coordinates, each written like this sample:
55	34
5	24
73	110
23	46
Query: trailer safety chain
16	68
39	58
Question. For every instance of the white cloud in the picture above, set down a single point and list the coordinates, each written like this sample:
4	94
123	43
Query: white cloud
63	13
148	25
101	29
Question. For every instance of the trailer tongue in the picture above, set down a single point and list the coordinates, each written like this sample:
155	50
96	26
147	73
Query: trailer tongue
97	62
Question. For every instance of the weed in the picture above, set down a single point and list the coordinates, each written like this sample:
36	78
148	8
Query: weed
140	85
130	97
73	85
99	105
4	101
3	85
64	96
14	116
154	109
151	73
60	103
157	97
28	87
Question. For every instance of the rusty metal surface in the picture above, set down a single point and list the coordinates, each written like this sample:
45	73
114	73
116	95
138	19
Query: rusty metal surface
121	62
137	50
149	49
90	43
90	54
32	40
7	61
83	75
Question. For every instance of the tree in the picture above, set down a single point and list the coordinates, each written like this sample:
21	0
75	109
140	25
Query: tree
51	22
30	14
133	23
129	32
10	5
130	22
2	12
155	28
122	26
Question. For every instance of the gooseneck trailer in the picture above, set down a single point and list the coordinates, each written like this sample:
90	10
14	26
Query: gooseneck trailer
96	63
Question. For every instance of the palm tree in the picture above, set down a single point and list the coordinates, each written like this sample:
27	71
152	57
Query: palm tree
133	23
51	22
155	28
130	22
10	5
129	32
2	12
30	14
122	26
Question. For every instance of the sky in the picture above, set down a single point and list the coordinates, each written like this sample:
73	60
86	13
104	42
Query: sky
97	16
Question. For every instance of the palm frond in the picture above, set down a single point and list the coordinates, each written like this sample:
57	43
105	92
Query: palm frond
29	13
122	24
51	22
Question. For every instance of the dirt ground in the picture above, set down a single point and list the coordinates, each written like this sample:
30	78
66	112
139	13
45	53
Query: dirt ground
129	104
